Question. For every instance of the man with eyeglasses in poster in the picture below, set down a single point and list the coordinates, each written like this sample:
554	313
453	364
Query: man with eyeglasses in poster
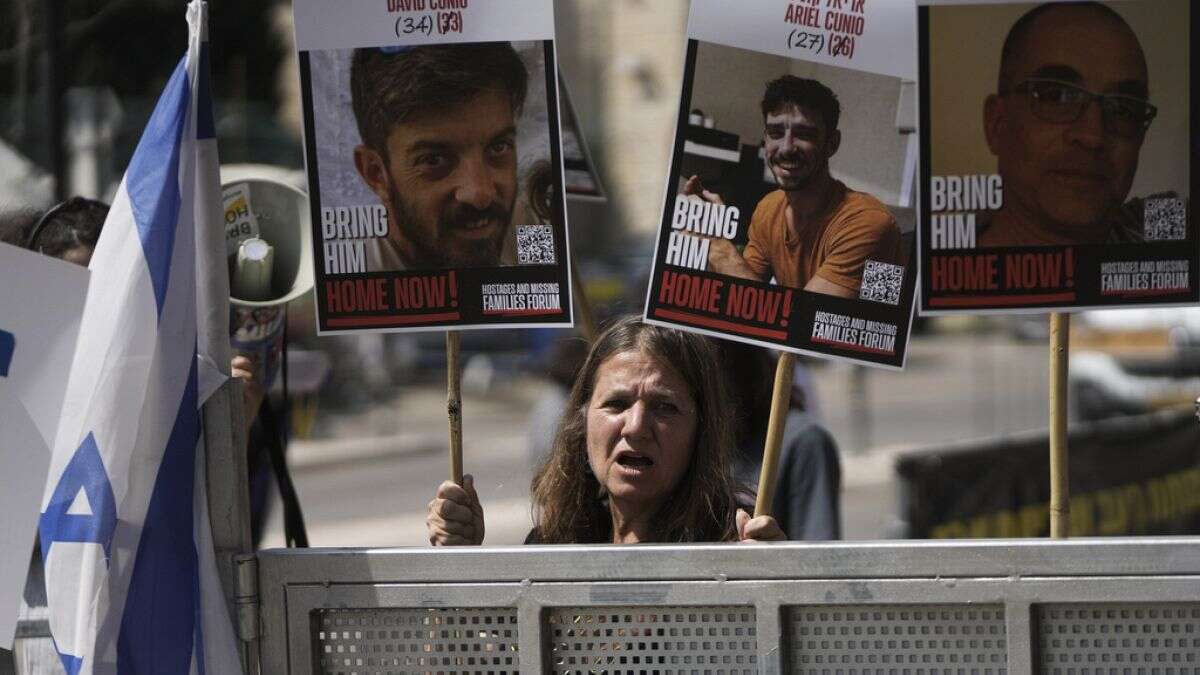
1066	126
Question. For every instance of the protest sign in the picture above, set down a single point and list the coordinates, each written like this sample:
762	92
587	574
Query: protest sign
37	343
435	167
790	202
1038	200
583	180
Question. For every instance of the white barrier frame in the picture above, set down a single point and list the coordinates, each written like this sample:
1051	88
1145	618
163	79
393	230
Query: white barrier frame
1020	575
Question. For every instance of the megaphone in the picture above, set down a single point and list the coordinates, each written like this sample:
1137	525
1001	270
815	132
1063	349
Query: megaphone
268	235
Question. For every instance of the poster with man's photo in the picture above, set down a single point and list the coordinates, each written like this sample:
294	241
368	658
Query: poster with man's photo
790	203
1058	153
434	162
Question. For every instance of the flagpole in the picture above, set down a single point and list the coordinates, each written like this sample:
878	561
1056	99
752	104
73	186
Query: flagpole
454	405
227	481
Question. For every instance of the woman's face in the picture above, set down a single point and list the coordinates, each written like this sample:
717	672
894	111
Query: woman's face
641	428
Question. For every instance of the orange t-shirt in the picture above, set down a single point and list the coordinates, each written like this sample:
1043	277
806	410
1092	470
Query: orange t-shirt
856	228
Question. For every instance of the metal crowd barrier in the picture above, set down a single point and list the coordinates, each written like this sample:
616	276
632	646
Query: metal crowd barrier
995	607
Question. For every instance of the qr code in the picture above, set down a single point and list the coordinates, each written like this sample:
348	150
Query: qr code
535	245
1165	219
881	282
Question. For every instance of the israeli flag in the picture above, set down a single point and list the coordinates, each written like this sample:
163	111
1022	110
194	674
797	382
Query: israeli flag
130	569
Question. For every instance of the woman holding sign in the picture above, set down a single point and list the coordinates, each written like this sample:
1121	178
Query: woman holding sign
641	453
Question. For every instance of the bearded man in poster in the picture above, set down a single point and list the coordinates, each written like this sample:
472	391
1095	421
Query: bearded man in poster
439	127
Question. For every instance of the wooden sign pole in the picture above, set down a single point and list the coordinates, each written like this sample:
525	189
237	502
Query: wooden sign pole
781	399
454	405
1060	497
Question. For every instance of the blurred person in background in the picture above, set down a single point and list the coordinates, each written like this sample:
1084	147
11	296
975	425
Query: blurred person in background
566	359
68	231
807	500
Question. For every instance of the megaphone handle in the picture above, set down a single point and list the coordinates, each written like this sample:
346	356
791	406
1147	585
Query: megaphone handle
454	405
274	428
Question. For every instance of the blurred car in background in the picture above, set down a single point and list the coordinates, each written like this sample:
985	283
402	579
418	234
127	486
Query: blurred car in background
1134	361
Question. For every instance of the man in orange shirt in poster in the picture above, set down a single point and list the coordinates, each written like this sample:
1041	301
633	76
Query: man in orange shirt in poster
813	233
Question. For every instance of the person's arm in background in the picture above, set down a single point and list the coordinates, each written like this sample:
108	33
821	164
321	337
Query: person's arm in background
808	494
243	368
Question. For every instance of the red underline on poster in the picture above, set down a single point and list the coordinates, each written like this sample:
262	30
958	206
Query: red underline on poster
1002	300
730	326
363	321
525	312
854	348
1145	292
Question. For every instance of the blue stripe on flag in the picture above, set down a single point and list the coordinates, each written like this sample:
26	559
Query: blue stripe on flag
158	623
152	180
205	128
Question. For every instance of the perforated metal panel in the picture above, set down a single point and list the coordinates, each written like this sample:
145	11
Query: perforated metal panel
1158	639
394	641
666	640
927	608
898	639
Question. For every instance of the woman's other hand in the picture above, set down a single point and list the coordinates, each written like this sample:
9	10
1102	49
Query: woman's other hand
454	516
753	530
